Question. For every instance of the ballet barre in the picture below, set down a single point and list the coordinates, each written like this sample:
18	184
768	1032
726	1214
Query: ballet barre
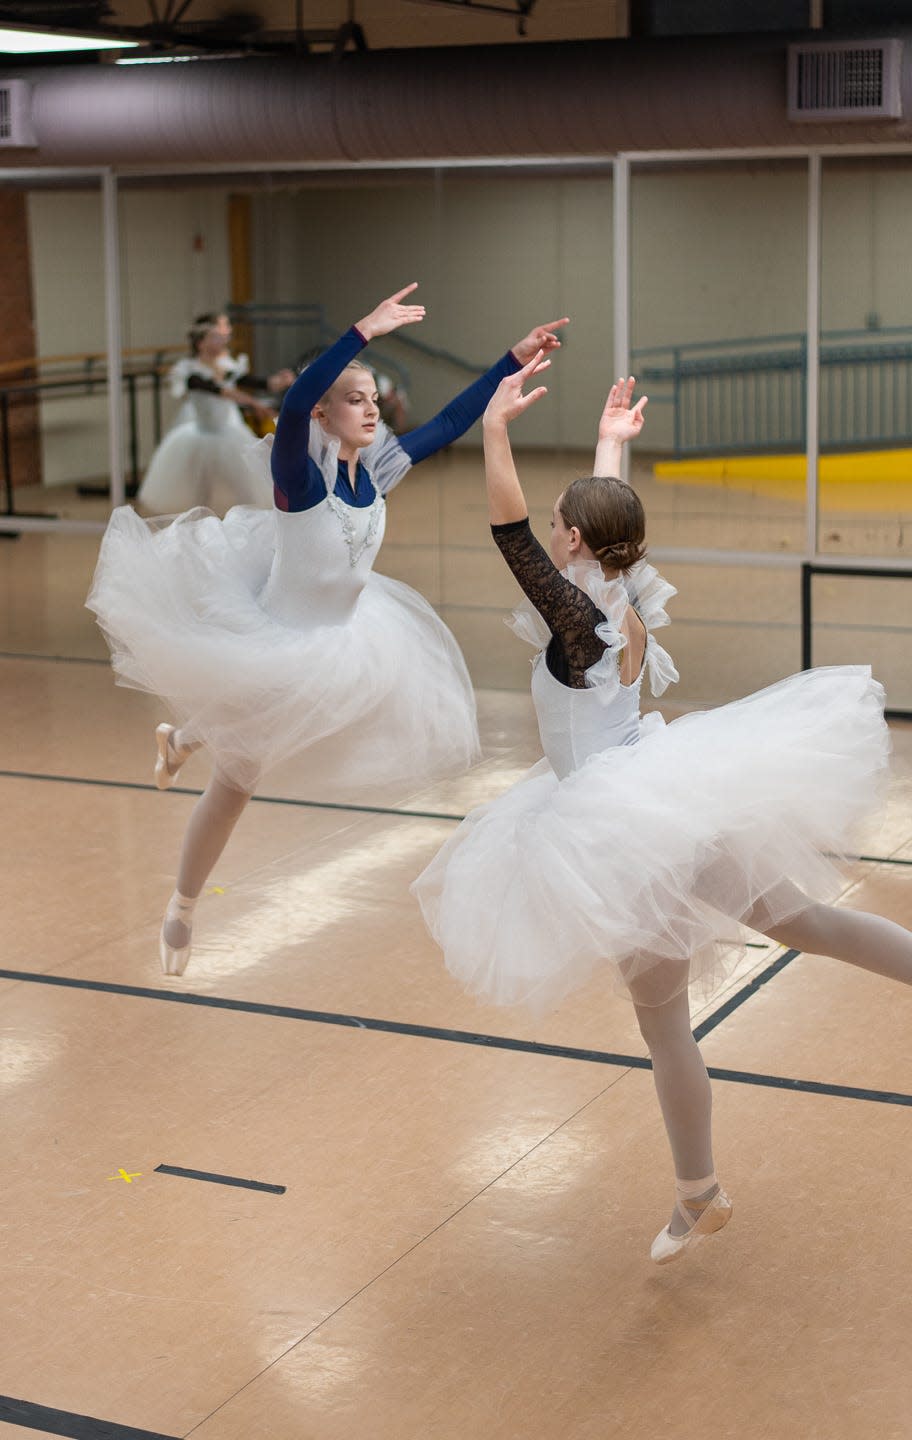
88	382
821	566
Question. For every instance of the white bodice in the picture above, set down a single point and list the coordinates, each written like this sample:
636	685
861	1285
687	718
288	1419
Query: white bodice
323	557
574	724
212	414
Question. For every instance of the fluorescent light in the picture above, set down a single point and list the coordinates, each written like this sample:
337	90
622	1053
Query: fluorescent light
47	42
175	59
155	59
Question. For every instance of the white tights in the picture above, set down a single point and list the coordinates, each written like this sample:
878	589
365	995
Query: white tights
682	1084
214	817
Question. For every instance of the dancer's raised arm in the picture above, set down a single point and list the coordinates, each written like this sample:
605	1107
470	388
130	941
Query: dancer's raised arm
462	412
506	501
289	454
619	422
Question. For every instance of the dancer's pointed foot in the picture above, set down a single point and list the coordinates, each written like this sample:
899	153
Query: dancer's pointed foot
695	1215
170	756
174	942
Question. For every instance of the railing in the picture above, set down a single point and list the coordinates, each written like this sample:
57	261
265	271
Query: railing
81	374
310	330
750	394
857	571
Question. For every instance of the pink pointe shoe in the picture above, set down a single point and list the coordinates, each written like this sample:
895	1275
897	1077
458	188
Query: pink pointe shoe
703	1216
168	765
174	958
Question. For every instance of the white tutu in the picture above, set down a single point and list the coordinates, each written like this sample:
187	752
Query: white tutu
641	861
200	467
204	458
315	657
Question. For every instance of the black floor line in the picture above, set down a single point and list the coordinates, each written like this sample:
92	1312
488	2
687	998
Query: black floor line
307	804
57	659
745	993
256	799
884	859
66	1422
459	1037
219	1179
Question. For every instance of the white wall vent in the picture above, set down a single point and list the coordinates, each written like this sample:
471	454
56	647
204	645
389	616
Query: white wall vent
845	80
16	129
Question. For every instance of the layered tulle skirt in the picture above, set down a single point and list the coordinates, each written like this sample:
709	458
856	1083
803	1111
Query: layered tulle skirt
373	708
641	864
203	467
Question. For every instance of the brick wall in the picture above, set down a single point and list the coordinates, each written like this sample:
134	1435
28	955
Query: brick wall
17	334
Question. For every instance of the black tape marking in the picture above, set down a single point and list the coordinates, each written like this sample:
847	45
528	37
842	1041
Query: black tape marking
219	1179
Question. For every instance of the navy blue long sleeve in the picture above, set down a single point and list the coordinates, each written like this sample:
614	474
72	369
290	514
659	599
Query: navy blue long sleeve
298	482
456	418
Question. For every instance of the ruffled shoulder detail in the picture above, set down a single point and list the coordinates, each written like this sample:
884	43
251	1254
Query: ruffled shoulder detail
643	588
385	460
529	625
180	373
234	367
611	598
661	670
649	592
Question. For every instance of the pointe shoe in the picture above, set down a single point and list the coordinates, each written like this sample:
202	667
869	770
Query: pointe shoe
165	776
173	962
174	959
715	1213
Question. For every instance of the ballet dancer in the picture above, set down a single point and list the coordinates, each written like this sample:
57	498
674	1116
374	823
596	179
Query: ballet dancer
633	845
202	459
268	633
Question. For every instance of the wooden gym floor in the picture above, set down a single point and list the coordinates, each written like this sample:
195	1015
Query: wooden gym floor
444	1214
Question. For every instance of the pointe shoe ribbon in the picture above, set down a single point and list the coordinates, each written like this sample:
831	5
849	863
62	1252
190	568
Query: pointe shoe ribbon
712	1216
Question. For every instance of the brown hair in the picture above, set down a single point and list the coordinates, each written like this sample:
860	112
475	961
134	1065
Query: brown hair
200	329
609	515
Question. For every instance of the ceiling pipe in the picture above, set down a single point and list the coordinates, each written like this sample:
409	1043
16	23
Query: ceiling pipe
576	98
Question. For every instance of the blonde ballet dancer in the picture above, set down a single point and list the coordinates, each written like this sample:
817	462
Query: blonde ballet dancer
270	635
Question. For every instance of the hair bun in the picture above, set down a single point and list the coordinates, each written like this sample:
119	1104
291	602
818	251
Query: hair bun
621	555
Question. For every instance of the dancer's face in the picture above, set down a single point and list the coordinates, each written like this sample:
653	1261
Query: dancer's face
216	340
565	539
350	410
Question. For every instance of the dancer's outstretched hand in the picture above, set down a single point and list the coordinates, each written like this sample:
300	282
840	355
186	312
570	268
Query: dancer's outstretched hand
620	421
508	399
541	338
391	314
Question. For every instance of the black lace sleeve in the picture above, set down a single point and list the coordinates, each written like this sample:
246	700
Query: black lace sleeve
202	382
569	613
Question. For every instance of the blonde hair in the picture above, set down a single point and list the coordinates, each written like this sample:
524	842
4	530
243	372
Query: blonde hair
609	515
352	365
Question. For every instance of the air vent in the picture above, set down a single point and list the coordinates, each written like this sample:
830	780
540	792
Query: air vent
845	80
16	130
